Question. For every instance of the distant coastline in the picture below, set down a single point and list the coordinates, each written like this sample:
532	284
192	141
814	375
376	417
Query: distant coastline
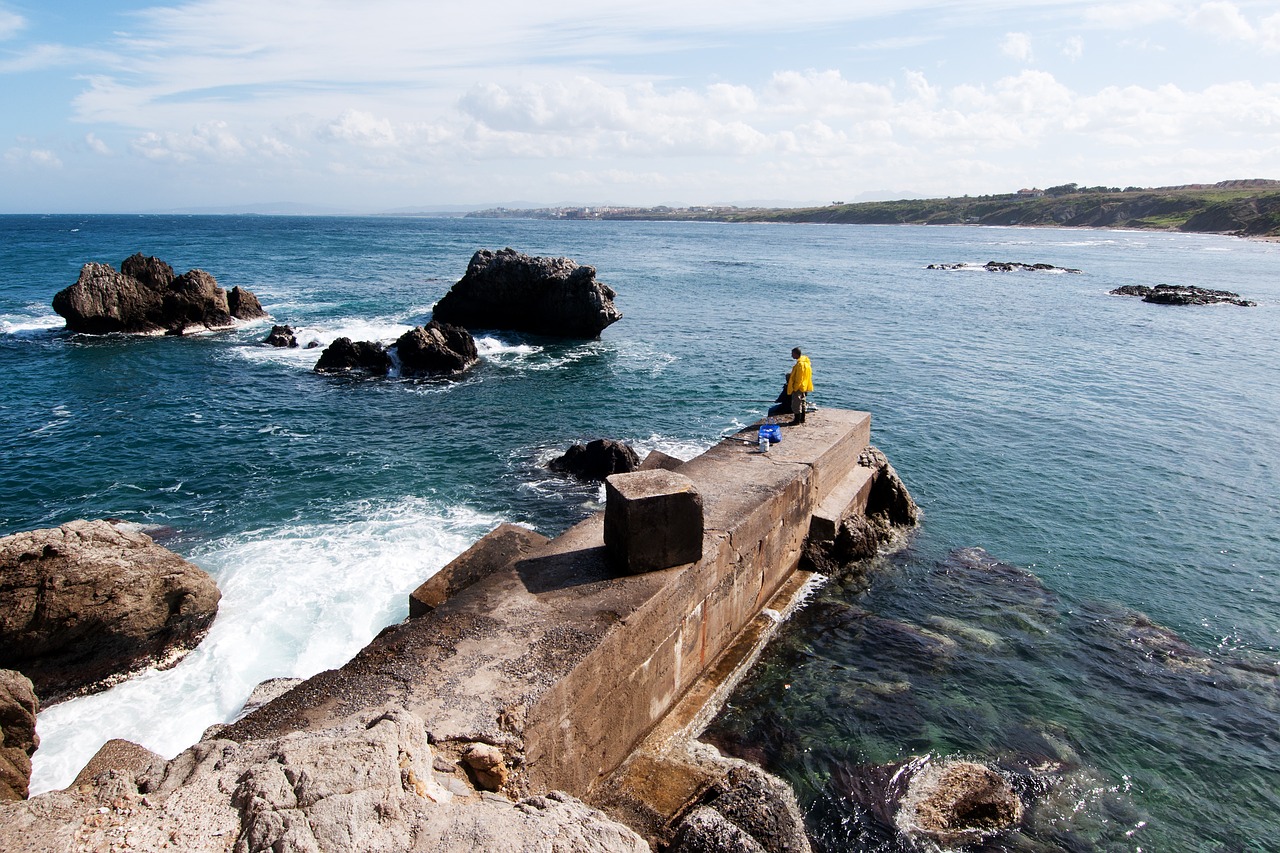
1243	208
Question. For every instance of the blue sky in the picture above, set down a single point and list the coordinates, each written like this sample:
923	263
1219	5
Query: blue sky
116	106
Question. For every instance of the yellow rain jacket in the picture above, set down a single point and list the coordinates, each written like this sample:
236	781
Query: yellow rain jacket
801	376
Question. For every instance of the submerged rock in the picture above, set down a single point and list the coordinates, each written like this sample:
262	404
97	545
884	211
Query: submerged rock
18	738
1182	294
596	460
145	297
87	602
547	296
436	348
957	802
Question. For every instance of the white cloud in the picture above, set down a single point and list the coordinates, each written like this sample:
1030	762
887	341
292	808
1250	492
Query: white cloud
211	141
1017	46
11	24
363	129
1223	20
40	158
97	145
1073	48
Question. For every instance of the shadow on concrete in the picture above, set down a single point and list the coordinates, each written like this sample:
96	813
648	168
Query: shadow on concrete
565	570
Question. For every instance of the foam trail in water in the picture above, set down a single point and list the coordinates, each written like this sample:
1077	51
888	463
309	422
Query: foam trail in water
295	600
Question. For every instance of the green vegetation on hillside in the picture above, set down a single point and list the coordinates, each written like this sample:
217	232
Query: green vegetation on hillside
1245	208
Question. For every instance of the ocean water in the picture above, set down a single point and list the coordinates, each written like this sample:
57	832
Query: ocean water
1091	601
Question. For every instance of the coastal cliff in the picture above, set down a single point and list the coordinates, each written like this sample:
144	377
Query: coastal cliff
1246	208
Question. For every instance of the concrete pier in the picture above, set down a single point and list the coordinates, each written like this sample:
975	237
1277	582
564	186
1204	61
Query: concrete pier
551	652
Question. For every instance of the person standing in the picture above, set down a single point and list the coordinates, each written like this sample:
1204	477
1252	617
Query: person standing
799	383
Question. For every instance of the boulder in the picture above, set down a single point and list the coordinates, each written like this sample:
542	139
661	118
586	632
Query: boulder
89	601
954	803
244	305
345	355
18	738
746	811
145	297
436	348
281	336
546	296
596	460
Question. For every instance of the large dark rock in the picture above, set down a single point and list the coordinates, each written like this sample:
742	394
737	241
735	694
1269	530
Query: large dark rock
145	297
18	738
596	460
281	336
244	305
1181	294
436	348
546	296
345	355
87	602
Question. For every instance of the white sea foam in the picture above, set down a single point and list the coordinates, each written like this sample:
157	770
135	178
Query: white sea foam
357	329
295	600
26	324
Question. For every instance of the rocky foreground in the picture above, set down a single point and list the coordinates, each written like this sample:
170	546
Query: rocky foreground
88	602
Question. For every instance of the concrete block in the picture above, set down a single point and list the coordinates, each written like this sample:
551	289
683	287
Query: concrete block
652	521
496	550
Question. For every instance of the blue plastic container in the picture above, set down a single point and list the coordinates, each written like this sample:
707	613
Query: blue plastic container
773	432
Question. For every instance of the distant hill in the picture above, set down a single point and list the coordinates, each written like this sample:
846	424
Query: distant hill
1246	208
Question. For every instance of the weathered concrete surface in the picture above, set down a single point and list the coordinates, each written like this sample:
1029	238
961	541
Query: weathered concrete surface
565	664
503	545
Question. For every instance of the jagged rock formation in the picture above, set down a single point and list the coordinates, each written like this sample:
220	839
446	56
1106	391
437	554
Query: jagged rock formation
373	786
431	350
18	738
145	297
281	336
1181	294
89	601
345	355
596	460
1005	266
547	296
435	348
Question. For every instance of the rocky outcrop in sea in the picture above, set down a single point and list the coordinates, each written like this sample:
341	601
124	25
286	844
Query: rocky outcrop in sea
596	460
1182	294
1003	266
146	297
90	601
546	296
281	336
436	349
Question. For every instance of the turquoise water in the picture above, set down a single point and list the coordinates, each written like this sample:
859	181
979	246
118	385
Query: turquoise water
1123	454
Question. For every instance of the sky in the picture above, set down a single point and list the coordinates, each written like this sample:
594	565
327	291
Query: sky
385	105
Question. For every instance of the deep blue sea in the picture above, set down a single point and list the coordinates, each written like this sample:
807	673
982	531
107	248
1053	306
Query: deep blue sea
1093	591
